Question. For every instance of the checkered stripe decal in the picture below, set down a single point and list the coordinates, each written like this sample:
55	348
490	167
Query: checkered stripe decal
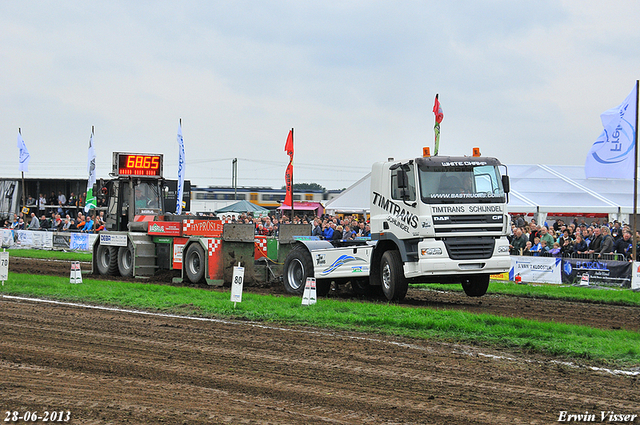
186	224
213	245
261	245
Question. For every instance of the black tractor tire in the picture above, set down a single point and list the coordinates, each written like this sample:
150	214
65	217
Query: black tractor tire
195	263
394	284
298	266
106	260
476	286
125	260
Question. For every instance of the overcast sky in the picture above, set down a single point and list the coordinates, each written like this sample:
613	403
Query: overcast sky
524	81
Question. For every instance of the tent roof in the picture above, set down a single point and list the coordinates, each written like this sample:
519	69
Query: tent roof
534	188
241	206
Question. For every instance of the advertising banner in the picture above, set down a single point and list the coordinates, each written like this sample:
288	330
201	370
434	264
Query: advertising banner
165	228
536	269
635	278
607	273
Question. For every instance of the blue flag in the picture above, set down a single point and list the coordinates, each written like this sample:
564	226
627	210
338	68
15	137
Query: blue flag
23	159
180	170
612	155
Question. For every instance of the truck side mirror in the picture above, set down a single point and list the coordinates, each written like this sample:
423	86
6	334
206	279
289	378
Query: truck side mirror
505	184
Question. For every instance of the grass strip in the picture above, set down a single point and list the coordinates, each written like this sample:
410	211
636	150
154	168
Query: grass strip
54	255
611	347
550	291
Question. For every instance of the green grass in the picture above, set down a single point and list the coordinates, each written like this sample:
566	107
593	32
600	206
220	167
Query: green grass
611	347
57	255
563	292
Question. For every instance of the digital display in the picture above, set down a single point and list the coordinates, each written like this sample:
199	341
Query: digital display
132	164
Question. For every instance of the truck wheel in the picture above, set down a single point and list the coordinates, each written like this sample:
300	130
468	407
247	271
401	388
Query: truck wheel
476	286
125	260
194	263
298	266
394	284
106	260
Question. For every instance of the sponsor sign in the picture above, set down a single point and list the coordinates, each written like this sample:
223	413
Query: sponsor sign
601	272
178	248
165	228
113	240
536	269
62	241
635	278
211	228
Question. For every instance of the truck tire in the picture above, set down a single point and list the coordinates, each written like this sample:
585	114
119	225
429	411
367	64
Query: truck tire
298	266
125	260
194	263
394	284
476	286
106	260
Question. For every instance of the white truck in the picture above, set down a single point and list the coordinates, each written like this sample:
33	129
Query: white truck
438	219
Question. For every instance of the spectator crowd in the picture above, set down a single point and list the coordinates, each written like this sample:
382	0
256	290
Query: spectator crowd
605	241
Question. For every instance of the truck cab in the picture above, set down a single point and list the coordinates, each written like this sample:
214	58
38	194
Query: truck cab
436	219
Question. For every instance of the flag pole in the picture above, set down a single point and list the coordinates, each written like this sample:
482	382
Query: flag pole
292	201
24	189
635	182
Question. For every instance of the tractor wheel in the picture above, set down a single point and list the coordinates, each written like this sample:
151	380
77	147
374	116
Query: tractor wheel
298	266
106	260
194	263
394	284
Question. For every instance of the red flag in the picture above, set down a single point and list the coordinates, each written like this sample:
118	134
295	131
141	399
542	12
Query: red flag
288	175
288	147
288	178
437	110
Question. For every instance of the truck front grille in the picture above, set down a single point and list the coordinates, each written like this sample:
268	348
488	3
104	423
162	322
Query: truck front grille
469	248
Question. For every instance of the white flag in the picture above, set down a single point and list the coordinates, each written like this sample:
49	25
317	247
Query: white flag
90	202
180	170
24	155
612	155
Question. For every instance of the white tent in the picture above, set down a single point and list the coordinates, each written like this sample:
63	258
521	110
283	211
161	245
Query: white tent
538	189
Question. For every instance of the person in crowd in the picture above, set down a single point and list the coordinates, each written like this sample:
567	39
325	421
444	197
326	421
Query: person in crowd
67	224
566	244
527	249
347	234
624	245
534	231
56	223
42	202
367	231
519	242
606	247
317	228
34	224
52	201
61	202
88	225
337	233
535	246
596	241
327	231
544	249
19	224
545	236
580	245
555	251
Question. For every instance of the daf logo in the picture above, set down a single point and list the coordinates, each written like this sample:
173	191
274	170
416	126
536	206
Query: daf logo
441	218
496	217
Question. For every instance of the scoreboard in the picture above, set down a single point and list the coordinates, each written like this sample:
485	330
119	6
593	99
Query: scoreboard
137	164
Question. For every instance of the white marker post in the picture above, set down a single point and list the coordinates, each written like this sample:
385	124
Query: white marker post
236	284
4	266
309	294
584	280
76	273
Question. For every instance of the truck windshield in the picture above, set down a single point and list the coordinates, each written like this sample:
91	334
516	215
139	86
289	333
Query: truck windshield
455	185
147	198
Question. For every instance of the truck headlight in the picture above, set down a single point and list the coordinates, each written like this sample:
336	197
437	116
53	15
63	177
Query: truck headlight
431	251
502	249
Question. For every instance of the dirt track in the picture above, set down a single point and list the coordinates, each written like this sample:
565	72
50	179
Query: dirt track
120	367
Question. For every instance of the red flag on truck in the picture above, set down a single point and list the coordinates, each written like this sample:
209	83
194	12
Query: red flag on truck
288	175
